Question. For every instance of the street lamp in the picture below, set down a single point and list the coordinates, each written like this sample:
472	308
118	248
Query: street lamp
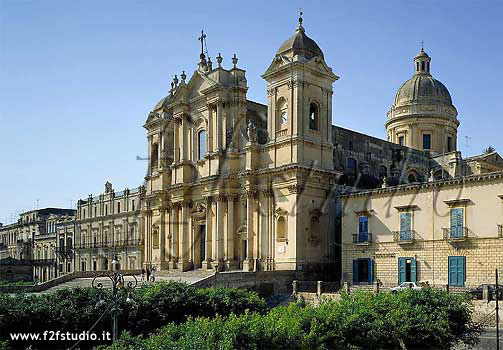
118	283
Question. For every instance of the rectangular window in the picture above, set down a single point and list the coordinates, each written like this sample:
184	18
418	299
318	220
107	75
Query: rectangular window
405	226
83	266
426	141
132	204
362	271
457	223
118	207
401	141
95	265
407	270
457	271
363	229
449	144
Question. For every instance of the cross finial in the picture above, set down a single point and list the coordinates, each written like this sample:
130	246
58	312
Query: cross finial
201	39
300	15
422	45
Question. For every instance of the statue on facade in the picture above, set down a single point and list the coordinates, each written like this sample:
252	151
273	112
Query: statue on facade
252	132
384	182
108	187
432	177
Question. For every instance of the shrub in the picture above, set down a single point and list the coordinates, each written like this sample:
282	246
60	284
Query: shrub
76	309
411	319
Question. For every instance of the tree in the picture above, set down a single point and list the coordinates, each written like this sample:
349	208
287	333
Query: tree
489	149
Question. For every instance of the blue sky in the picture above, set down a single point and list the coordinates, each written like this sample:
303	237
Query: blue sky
78	78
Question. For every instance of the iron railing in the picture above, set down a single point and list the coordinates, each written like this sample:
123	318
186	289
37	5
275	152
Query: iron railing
362	238
500	231
455	233
112	244
404	236
43	262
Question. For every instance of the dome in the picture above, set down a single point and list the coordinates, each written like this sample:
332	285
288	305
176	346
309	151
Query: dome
300	43
162	103
422	88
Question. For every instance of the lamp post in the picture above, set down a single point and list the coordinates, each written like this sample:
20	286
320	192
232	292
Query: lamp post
118	283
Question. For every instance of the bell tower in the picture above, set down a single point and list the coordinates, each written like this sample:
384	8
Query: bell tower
299	93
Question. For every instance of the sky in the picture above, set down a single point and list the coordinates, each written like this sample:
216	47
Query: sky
78	78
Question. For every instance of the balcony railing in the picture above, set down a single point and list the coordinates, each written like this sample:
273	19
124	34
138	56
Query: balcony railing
500	231
44	262
404	237
113	244
457	233
362	238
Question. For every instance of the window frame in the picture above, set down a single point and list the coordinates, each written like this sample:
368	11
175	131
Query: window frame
201	153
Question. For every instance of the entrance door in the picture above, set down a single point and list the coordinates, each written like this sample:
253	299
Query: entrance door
203	242
362	271
457	268
407	270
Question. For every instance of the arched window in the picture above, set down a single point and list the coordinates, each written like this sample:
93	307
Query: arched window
383	171
351	166
201	142
282	113
69	243
412	178
281	228
154	157
313	116
155	238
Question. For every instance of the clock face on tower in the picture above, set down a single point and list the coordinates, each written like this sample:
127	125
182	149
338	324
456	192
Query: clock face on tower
283	118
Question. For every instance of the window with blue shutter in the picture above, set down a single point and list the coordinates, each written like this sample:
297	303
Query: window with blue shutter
457	271
363	229
407	270
355	271
405	226
457	222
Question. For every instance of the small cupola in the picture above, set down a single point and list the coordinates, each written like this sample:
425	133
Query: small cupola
422	63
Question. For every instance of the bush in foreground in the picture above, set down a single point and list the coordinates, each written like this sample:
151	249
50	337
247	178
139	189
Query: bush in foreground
75	310
411	320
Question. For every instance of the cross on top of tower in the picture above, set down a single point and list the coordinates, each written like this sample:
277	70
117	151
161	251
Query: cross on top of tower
422	45
202	38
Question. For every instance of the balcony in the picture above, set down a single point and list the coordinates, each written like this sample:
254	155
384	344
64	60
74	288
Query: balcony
44	262
404	237
113	244
363	238
455	234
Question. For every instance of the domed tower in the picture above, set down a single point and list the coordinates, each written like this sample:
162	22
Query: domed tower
299	89
422	115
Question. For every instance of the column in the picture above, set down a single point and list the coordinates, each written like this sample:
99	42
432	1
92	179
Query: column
174	236
209	233
219	121
176	141
167	241
184	264
250	224
229	239
184	137
162	234
219	251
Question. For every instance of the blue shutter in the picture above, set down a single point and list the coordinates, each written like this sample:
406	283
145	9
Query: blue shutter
355	271
405	226
457	271
401	270
371	276
413	269
457	222
363	229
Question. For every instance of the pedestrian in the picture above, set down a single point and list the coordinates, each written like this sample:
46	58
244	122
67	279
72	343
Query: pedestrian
153	274
148	274
143	274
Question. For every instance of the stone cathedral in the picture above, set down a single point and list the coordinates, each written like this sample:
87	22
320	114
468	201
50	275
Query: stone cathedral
234	184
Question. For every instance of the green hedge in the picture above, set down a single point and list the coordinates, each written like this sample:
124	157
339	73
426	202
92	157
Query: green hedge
413	319
155	305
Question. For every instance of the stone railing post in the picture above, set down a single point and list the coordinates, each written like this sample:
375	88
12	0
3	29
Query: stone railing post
486	294
319	287
294	287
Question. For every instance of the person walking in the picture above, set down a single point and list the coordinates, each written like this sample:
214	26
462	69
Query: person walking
148	274
142	274
153	274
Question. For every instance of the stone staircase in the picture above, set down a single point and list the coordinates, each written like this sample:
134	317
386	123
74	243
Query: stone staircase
189	277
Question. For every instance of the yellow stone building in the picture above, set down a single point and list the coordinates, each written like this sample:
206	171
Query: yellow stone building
234	184
446	232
